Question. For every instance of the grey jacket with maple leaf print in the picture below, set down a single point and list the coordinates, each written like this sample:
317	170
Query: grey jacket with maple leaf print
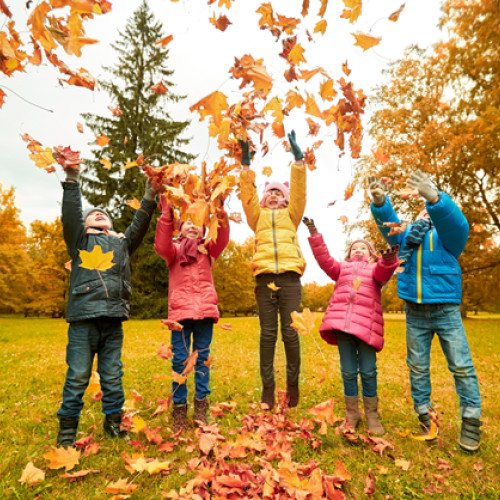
93	293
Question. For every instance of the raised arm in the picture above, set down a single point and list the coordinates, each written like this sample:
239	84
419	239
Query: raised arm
386	265
137	230
216	248
297	203
320	251
164	245
72	216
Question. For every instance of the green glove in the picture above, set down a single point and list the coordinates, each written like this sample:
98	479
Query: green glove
421	182
376	191
297	153
246	156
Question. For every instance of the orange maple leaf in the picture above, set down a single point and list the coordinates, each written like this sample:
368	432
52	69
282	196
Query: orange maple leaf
267	171
102	140
2	95
266	11
366	41
172	325
343	219
305	8
221	23
116	111
296	55
294	100
62	457
288	23
380	156
353	10
312	107
190	363
159	88
213	105
67	158
121	486
165	351
134	203
313	127
322	10
327	92
349	191
165	41
105	163
324	411
346	69
395	15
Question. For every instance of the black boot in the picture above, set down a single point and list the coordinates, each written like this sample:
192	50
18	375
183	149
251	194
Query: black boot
292	392
268	397
112	424
66	436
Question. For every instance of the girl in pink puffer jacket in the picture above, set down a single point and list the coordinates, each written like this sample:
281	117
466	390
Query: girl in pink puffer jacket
353	320
192	302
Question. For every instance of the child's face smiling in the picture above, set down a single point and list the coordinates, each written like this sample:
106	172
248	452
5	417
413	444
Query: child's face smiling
359	249
98	219
273	199
190	231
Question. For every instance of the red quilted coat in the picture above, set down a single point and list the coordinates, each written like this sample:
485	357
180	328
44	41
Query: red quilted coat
191	291
355	305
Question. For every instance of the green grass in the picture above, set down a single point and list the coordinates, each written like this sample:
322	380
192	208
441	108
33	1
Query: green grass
32	353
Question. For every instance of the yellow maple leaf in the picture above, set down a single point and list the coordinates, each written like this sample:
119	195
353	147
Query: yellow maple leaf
353	10
178	378
303	322
32	475
121	486
366	41
96	259
102	140
267	171
320	27
212	104
134	203
105	163
138	424
327	92
43	158
273	286
296	55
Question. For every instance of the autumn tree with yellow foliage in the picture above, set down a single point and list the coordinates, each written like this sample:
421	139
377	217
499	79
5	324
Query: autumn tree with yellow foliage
440	112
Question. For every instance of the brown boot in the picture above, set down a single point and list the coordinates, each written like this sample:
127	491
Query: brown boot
292	392
351	412
179	413
200	410
372	416
268	397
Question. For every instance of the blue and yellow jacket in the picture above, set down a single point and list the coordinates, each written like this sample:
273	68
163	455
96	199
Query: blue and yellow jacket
432	275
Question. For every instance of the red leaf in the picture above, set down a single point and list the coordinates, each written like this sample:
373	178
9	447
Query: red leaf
159	88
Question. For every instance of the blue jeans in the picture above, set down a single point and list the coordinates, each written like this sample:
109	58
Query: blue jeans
200	331
356	357
104	337
422	321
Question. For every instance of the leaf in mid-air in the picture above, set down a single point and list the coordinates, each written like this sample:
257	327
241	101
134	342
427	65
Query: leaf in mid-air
96	259
159	88
366	41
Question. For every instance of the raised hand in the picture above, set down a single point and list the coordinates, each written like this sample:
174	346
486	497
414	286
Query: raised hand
150	191
377	191
310	225
72	174
390	254
294	147
246	156
421	182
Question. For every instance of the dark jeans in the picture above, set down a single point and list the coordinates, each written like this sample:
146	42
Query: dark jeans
356	357
200	332
104	337
285	300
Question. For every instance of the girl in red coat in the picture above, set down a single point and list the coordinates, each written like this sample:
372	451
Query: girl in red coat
192	302
354	320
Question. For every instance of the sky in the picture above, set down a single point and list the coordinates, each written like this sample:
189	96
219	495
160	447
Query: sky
201	56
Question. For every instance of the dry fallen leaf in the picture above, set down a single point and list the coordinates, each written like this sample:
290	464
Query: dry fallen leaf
32	475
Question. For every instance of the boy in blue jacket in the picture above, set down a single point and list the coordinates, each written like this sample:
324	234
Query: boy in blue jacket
98	303
431	286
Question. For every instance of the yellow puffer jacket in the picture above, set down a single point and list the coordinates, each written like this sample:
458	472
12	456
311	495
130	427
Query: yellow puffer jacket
276	246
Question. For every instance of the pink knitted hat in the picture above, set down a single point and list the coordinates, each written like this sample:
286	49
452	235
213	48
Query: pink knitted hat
373	253
284	188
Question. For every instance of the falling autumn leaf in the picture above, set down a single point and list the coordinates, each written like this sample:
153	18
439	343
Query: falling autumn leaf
343	219
353	10
105	163
102	140
395	15
43	158
349	191
32	475
226	326
134	203
115	111
273	286
407	193
159	88
165	41
267	171
96	259
178	378
79	127
380	156
165	351
172	325
212	105
366	41
221	23
346	69
303	322
320	27
68	158
62	457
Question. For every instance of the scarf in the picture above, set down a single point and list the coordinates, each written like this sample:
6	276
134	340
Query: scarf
414	239
188	252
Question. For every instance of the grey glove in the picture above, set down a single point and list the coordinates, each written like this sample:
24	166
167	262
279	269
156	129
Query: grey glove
150	192
376	191
72	174
421	182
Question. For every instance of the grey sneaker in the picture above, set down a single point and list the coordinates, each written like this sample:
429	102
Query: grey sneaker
470	434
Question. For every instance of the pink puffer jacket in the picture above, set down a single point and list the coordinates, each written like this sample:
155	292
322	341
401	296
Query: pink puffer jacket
355	305
191	291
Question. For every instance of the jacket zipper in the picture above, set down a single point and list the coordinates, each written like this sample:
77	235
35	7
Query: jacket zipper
348	319
296	247
274	243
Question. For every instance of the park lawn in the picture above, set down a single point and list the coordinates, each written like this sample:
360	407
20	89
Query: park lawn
32	360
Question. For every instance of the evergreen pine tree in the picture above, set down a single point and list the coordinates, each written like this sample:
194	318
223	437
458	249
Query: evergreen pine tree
143	127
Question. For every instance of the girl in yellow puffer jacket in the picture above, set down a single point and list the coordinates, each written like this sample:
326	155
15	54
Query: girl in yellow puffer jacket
277	265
